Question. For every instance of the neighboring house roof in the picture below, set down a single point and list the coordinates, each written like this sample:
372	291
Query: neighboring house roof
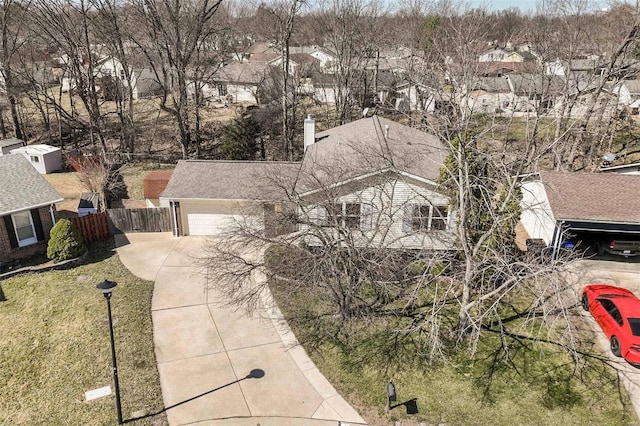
155	182
231	180
492	85
622	167
10	142
633	86
489	68
527	84
37	149
243	72
263	57
593	197
23	188
367	146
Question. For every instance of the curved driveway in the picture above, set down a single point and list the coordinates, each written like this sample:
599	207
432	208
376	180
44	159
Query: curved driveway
206	353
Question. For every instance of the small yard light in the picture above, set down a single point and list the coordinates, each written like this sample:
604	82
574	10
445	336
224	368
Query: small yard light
107	287
391	394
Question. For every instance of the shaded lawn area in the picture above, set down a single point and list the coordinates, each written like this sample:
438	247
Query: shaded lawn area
536	384
54	345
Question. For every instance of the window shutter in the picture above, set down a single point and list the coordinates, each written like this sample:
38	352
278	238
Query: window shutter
37	224
366	217
11	232
407	220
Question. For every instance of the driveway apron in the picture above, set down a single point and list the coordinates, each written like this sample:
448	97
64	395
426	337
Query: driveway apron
218	366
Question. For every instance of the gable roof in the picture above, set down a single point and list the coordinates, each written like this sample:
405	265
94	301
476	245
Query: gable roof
231	180
367	146
243	72
23	188
594	197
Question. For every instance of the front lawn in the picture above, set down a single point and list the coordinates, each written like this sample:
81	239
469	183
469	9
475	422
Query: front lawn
54	345
531	383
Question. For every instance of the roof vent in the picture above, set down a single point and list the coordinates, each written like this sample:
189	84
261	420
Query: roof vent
386	131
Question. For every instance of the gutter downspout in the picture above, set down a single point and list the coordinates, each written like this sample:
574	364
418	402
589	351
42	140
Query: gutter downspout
174	217
53	216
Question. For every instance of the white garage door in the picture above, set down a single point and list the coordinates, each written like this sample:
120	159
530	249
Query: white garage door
212	224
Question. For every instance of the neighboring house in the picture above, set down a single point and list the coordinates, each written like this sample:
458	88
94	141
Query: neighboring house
7	145
105	68
243	81
487	95
154	183
300	64
626	169
27	208
498	54
535	92
628	92
374	176
556	204
45	158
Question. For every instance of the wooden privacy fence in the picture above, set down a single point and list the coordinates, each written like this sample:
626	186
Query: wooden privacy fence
140	220
93	227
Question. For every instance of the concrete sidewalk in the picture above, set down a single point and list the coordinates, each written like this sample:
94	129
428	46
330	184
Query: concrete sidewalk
206	353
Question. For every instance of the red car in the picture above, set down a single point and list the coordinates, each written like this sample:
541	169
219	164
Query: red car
617	310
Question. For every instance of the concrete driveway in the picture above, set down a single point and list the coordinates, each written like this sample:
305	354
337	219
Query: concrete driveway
219	367
620	272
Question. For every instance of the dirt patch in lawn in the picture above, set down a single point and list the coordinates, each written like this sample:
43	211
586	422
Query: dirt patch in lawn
70	188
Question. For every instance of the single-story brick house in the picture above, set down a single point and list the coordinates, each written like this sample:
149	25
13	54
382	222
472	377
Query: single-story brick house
27	209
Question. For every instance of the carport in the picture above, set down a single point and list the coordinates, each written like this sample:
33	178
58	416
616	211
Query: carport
556	206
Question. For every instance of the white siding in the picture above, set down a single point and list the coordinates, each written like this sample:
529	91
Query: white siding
537	217
388	203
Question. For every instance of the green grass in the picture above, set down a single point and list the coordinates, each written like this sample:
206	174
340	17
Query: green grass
55	345
536	384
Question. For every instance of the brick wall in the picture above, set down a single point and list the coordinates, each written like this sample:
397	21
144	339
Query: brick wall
8	253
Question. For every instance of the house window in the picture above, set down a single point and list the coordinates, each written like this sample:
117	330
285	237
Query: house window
35	159
222	89
424	218
25	231
346	215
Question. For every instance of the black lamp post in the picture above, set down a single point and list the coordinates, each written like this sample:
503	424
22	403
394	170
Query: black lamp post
107	287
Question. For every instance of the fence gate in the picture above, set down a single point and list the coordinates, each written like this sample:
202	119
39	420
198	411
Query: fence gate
140	220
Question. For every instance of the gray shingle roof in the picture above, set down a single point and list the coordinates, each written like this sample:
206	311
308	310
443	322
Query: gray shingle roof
22	187
339	154
598	197
242	72
10	141
370	145
231	180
